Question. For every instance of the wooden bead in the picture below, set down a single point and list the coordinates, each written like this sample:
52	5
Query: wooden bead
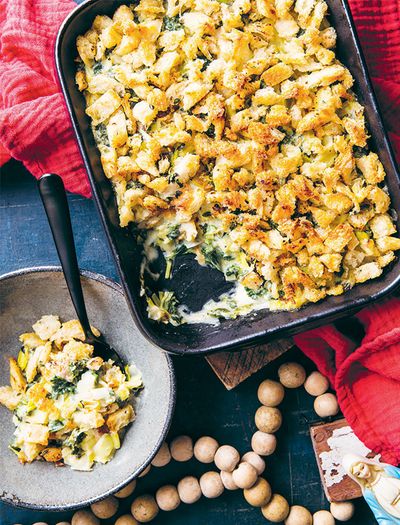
268	419
211	485
144	508
205	449
323	517
270	393
163	456
316	384
276	510
145	472
84	517
299	516
227	480
189	490
259	494
291	375
226	458
326	405
167	498
126	519
182	448
342	511
263	444
127	490
245	475
105	508
255	460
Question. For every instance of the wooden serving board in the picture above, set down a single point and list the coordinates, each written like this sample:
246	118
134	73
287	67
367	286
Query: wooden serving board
331	442
234	367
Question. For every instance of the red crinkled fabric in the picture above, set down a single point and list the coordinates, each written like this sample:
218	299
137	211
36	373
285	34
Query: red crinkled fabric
34	124
366	377
35	129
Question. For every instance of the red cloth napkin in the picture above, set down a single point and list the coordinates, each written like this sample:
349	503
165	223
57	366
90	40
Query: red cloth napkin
35	129
34	124
366	378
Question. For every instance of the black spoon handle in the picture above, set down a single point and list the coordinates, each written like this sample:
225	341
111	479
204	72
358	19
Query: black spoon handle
54	198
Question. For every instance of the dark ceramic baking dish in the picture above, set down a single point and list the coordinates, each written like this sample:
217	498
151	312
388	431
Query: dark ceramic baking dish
192	283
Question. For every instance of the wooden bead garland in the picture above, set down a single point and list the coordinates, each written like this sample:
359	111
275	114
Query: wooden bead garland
235	472
144	508
189	490
205	448
106	508
226	458
167	498
211	485
245	475
255	460
227	480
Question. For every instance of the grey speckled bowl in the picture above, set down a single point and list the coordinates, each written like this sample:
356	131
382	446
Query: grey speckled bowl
25	296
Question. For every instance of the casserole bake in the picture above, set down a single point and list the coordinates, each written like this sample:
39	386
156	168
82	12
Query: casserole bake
261	323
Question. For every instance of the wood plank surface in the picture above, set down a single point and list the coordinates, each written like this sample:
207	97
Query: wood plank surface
234	367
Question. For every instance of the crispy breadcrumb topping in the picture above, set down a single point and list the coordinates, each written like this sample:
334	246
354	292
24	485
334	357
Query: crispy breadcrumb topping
229	130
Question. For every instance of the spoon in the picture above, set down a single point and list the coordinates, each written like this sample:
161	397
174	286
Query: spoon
54	198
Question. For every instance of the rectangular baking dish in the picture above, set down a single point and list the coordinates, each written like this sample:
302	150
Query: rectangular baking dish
192	283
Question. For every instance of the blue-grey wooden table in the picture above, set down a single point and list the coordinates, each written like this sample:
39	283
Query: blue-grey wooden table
203	404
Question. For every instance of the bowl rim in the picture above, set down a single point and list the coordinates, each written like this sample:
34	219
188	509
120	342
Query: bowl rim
15	501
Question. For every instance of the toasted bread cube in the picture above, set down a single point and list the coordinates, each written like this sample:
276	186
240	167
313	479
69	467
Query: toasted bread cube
52	454
104	107
34	433
9	397
194	93
388	244
121	418
29	452
31	340
116	129
371	167
101	22
277	74
80	80
338	202
123	14
267	96
77	350
323	77
109	161
17	380
86	50
339	237
111	35
332	261
47	326
382	225
367	271
128	44
144	113
386	259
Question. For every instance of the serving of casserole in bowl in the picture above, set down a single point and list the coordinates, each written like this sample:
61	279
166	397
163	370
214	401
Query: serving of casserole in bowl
239	163
75	434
